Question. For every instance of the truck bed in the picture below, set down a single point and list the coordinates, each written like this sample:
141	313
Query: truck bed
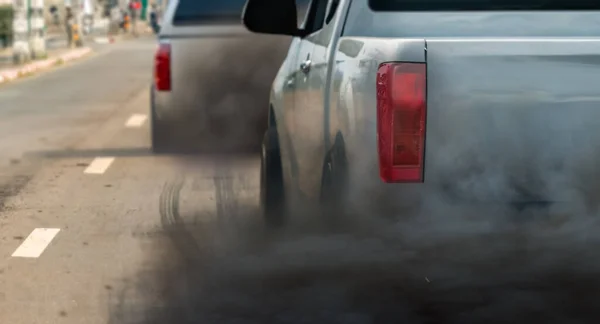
512	99
514	119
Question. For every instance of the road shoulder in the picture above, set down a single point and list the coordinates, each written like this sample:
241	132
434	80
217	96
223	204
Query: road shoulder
58	59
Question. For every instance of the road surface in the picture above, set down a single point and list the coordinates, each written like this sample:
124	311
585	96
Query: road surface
94	229
86	210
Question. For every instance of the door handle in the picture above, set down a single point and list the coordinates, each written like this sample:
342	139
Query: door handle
305	66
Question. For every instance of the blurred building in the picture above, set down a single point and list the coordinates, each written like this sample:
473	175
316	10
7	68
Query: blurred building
95	7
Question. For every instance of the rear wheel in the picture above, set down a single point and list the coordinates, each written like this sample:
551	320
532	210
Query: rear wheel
272	195
334	181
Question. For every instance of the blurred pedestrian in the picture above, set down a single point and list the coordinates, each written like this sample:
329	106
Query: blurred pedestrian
88	16
55	15
69	22
4	33
125	21
116	20
154	19
134	10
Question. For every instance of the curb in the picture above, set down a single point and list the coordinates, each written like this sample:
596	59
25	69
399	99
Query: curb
116	38
30	68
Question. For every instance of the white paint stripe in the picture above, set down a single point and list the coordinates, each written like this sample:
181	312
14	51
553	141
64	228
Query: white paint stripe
101	40
35	244
99	165
136	120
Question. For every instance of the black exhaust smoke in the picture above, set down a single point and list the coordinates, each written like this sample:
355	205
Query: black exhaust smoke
227	93
444	263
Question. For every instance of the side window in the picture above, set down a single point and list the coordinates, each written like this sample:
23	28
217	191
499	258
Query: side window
323	36
320	11
333	5
315	15
302	9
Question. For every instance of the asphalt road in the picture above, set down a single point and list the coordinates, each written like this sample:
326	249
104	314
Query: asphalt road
94	229
101	231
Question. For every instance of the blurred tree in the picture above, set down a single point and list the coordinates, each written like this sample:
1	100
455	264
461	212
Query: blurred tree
6	21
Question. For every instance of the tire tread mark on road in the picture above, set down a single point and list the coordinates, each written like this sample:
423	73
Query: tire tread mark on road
12	188
173	224
119	314
189	248
12	184
226	200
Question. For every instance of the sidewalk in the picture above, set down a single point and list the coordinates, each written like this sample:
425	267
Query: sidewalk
57	50
54	44
57	57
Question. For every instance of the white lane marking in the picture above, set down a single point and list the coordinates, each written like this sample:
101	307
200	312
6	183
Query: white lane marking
99	165
136	120
35	244
101	40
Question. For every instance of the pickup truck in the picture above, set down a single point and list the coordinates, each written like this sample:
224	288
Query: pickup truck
410	104
211	78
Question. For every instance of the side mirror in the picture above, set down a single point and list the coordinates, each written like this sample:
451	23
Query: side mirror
278	17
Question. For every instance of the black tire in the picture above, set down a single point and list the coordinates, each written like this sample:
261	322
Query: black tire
272	195
334	181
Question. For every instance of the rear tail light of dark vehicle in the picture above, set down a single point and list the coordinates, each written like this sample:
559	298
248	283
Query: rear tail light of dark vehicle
401	113
162	67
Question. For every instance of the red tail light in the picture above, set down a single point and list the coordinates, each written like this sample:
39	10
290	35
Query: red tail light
162	67
401	111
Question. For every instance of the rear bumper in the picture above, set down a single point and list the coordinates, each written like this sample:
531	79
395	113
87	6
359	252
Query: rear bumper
445	189
369	194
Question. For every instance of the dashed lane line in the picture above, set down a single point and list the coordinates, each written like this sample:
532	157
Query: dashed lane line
99	165
136	120
39	239
35	244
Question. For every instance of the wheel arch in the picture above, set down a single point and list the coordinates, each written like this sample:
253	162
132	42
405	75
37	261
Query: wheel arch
272	119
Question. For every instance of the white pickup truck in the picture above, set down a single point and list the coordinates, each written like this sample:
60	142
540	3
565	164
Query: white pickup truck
429	102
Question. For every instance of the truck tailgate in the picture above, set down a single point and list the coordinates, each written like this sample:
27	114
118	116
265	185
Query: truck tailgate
216	70
515	119
198	54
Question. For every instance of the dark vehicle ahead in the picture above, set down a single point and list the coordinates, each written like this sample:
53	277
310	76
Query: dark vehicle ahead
211	77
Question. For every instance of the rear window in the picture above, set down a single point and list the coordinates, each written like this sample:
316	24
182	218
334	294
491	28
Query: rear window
482	5
197	12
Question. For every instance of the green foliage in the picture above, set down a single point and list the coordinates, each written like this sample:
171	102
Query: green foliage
6	21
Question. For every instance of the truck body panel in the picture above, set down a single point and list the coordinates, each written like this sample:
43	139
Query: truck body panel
512	102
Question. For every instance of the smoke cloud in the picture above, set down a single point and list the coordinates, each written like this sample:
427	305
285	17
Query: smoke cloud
223	96
444	261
